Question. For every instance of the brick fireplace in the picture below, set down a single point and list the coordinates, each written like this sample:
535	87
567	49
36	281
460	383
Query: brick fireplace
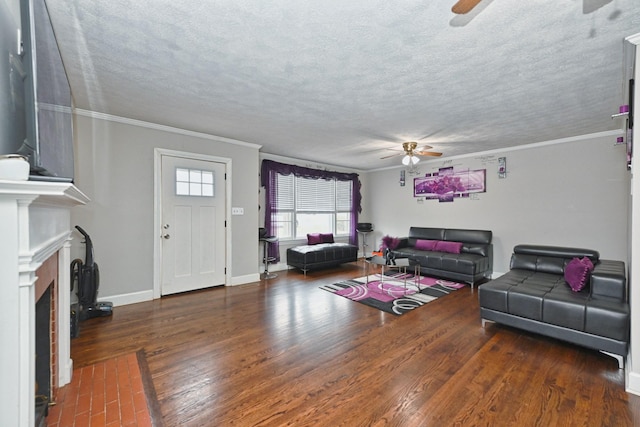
46	336
35	230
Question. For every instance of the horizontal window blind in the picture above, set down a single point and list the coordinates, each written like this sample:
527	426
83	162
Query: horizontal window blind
285	194
315	195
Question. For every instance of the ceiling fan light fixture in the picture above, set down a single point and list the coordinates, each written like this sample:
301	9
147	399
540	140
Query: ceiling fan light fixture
410	159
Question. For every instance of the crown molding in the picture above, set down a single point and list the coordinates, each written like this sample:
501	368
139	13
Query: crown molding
634	39
163	128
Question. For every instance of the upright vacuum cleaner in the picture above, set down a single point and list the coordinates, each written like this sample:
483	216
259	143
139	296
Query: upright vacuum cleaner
87	278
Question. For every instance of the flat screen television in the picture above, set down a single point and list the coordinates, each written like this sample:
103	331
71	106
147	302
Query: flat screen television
13	125
39	103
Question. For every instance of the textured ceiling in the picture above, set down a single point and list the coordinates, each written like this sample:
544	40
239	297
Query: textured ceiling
343	82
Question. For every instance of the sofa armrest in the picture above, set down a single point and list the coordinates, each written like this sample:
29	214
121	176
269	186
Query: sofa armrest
609	281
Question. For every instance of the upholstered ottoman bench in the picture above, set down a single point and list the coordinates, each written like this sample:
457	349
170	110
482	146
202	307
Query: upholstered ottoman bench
322	255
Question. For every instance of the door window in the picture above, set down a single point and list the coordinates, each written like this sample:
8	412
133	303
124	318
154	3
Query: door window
195	182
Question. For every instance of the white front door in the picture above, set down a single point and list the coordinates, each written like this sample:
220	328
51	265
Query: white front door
192	224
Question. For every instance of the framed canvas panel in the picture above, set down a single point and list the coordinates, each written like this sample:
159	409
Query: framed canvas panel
447	184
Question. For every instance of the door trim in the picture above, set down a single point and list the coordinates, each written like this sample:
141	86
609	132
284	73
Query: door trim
157	211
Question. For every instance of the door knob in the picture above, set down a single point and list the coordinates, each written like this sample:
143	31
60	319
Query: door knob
166	226
165	236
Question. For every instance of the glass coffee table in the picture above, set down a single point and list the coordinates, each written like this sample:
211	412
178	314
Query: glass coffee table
400	264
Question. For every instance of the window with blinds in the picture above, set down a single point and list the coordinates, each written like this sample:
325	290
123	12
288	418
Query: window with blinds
305	205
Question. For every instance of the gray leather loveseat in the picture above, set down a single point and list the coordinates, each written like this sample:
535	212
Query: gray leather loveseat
454	254
535	296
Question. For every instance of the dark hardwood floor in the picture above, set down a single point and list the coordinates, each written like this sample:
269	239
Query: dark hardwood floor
283	352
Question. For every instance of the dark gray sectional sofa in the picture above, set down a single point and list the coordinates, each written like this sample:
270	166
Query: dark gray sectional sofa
534	296
473	263
323	255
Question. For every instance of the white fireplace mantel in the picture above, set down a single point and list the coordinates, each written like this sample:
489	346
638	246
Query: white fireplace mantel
35	223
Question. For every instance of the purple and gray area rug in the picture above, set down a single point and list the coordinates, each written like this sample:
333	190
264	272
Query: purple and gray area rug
390	294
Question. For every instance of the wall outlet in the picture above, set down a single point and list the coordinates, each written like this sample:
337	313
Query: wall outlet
237	211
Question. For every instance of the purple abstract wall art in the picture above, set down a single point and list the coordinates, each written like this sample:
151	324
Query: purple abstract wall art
447	184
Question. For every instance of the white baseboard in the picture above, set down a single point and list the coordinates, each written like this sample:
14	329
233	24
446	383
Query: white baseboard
66	373
274	267
633	383
131	298
278	267
136	297
242	280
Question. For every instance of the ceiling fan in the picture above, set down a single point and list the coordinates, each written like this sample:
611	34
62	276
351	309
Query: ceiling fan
411	152
464	6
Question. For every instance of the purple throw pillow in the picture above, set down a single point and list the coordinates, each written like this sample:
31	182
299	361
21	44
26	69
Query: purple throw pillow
586	261
449	247
314	239
326	237
576	273
426	245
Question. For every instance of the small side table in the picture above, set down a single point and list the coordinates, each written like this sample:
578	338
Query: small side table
401	264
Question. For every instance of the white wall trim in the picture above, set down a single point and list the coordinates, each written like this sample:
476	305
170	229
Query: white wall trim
157	203
634	39
243	280
633	283
281	266
633	383
163	128
132	298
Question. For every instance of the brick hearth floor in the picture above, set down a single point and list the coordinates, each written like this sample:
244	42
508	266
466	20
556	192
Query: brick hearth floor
107	394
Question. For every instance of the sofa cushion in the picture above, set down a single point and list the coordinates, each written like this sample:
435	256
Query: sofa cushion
556	252
425	233
426	245
327	237
468	264
482	237
576	273
544	264
564	307
448	247
314	239
608	318
471	248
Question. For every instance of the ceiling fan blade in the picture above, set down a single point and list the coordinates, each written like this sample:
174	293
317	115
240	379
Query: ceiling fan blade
393	155
464	6
427	153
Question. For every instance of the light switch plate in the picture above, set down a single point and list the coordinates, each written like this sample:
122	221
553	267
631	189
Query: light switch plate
237	211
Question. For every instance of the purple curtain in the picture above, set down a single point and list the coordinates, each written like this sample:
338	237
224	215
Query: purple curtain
268	174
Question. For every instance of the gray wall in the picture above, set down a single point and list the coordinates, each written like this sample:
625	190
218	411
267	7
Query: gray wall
573	193
568	193
115	169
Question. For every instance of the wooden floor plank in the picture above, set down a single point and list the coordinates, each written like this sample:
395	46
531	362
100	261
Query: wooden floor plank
284	352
